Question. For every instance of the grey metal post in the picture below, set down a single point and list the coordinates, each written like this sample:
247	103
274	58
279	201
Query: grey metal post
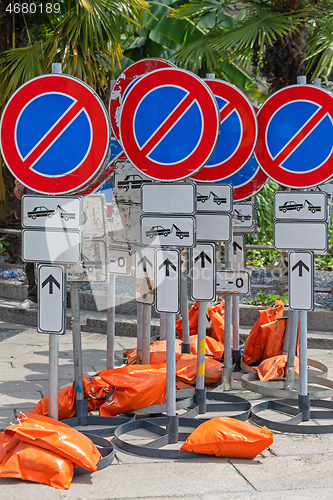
54	339
227	370
111	321
53	375
291	332
235	332
163	320
186	347
200	391
172	418
146	321
80	402
303	396
139	333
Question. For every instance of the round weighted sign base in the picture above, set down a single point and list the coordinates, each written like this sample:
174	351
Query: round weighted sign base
184	399
98	426
299	413
322	388
317	368
222	402
105	448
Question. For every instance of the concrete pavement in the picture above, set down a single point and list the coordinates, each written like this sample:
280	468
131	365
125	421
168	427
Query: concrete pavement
298	466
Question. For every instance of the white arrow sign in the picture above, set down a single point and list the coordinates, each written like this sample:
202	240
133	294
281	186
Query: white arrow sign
167	280
238	252
51	317
203	272
233	282
145	275
301	286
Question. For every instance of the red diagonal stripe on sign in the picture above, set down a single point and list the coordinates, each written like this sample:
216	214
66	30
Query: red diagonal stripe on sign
226	111
52	135
300	136
168	124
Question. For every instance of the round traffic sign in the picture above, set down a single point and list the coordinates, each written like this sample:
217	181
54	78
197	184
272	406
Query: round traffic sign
127	77
54	134
238	134
295	140
169	124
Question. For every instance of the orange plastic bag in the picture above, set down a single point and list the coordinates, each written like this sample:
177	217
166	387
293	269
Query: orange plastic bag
66	404
6	444
96	391
186	369
212	347
157	346
134	387
32	463
272	368
228	437
272	337
57	437
216	314
253	349
192	319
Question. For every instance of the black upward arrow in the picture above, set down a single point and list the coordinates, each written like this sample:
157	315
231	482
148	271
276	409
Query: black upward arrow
167	263
51	280
235	244
300	264
144	261
202	255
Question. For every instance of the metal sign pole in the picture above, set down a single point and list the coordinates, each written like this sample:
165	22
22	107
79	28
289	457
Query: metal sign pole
53	375
291	332
235	335
200	391
163	326
111	321
186	347
146	322
80	402
303	396
172	417
139	333
227	370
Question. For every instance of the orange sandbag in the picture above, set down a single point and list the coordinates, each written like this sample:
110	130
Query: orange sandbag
32	463
216	314
272	337
134	387
96	391
272	368
212	347
66	404
57	437
6	444
192	319
186	369
228	437
253	349
157	346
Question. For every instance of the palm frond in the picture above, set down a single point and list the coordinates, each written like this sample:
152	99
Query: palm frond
319	47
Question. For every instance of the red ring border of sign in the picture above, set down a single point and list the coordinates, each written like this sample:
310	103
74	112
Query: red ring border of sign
99	147
251	187
210	130
248	119
135	70
265	114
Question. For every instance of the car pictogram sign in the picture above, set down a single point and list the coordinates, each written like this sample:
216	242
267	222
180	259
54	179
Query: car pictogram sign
54	134
169	124
127	77
295	140
238	135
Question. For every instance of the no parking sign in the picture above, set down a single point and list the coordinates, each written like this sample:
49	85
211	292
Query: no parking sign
295	141
54	134
169	124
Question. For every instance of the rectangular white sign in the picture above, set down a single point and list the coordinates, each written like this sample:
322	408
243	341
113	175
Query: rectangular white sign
214	198
125	223
167	280
51	212
238	252
289	236
120	261
94	216
300	205
177	198
244	218
127	183
60	247
213	227
51	314
301	284
203	258
171	231
145	275
233	282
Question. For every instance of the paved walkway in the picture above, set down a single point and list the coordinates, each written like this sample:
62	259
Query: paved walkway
296	466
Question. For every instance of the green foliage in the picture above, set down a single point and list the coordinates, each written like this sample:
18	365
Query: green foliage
4	246
267	300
